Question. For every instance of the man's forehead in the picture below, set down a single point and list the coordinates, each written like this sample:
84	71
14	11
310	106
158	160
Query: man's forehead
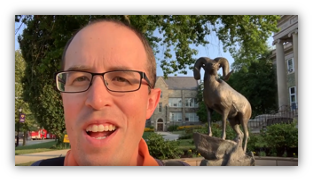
103	27
99	42
100	33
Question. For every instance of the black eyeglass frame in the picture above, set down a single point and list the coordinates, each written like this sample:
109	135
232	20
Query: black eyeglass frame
142	76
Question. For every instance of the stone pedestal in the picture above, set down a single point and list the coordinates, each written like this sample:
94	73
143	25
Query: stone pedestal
219	152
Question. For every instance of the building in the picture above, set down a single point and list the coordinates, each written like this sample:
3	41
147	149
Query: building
177	105
285	57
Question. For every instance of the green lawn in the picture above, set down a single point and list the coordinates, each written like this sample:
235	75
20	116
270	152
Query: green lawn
186	144
41	147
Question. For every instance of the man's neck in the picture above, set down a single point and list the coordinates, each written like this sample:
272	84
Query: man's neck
136	158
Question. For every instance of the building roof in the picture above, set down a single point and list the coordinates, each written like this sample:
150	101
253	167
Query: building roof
181	83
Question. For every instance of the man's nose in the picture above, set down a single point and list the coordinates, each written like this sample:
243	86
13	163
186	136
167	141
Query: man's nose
98	96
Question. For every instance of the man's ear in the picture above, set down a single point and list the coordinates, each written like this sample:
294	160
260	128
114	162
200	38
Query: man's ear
153	101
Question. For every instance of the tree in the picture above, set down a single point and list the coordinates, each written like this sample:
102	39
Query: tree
19	102
44	38
256	80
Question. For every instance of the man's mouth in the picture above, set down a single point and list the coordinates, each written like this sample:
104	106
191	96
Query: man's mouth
100	131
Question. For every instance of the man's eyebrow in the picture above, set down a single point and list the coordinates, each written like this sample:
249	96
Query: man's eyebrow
79	67
119	68
88	68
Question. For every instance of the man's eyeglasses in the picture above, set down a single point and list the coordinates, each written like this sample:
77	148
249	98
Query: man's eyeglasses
74	81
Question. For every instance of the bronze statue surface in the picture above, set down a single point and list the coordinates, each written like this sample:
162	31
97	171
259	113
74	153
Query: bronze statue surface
222	98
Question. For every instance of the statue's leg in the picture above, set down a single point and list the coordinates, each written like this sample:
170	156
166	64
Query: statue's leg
246	133
209	112
236	128
224	119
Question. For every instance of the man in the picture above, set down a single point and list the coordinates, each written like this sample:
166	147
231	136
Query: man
107	88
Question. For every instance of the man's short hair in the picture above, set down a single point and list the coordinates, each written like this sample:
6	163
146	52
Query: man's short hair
151	63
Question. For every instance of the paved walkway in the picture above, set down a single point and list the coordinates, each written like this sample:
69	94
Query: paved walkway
168	135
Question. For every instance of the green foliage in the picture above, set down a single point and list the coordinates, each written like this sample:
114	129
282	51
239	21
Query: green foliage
256	142
276	140
148	130
30	122
281	135
172	128
45	36
185	136
259	85
146	135
262	153
163	149
188	134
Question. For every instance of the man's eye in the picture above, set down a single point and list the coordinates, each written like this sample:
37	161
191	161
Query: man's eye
120	79
80	79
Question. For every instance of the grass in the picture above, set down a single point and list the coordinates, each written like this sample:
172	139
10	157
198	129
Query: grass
186	144
41	147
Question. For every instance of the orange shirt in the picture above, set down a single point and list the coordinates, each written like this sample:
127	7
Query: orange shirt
143	150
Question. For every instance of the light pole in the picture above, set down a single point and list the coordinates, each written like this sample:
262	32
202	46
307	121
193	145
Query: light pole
18	127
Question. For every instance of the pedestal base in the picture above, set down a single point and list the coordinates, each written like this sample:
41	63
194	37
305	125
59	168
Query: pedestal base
219	152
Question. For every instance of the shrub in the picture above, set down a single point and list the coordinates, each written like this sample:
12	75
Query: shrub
149	130
262	153
163	149
185	136
256	142
276	140
172	128
281	135
189	127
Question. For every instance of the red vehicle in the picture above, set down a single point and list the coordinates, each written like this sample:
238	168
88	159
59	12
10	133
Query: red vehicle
40	134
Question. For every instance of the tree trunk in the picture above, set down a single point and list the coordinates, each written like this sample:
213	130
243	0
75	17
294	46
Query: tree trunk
24	138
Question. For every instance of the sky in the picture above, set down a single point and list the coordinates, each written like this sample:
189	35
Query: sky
212	50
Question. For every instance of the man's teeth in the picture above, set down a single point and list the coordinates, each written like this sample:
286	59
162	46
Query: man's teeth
100	138
100	128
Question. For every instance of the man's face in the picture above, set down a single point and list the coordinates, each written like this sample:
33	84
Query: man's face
99	48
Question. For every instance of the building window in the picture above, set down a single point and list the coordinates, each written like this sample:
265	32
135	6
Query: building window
293	98
160	107
191	102
161	95
175	102
290	66
175	116
191	117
